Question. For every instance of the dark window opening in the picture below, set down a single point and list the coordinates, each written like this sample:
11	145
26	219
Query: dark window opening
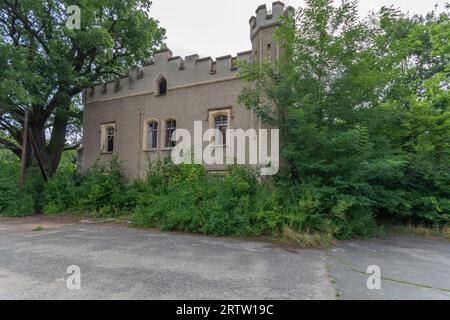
110	139
162	87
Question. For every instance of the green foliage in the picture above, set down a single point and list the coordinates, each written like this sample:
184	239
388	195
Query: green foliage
363	114
100	191
45	65
185	198
235	204
61	192
193	201
365	123
14	200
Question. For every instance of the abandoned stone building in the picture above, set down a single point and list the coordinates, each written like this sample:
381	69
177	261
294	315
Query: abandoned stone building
134	117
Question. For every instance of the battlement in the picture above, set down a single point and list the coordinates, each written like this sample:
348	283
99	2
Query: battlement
193	70
179	73
264	19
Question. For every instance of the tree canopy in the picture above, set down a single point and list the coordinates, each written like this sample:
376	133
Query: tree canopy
364	112
44	65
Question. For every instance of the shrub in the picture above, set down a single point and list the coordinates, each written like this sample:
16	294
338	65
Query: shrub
100	191
61	192
187	199
14	200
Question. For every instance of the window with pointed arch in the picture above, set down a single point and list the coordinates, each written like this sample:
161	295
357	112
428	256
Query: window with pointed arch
162	86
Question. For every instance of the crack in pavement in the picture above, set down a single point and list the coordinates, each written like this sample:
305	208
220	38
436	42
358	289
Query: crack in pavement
405	282
337	292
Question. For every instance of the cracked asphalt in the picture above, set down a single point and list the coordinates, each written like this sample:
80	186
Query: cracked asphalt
119	262
412	268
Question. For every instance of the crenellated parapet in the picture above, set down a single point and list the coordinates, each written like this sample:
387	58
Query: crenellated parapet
264	19
179	73
192	70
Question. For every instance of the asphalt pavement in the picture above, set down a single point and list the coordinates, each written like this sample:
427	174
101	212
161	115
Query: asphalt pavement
119	262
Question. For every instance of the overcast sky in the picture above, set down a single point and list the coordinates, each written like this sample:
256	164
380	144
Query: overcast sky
220	27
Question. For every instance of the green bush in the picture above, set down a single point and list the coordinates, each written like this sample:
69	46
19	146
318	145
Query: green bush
14	200
100	191
103	190
364	134
61	192
187	199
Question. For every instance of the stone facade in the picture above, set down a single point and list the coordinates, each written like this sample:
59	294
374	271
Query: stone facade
131	117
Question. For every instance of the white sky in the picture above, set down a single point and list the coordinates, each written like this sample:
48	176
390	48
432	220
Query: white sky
220	27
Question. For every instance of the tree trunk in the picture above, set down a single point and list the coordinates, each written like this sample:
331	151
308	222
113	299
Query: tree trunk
50	154
57	142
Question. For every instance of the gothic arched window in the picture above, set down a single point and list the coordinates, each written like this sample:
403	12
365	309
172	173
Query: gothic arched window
162	86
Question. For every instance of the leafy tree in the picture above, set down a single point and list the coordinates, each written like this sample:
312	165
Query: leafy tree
420	99
44	65
346	96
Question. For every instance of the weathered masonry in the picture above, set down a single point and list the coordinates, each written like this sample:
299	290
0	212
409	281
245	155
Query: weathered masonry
134	117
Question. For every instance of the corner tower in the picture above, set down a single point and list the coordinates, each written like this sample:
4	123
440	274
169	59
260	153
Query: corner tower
262	30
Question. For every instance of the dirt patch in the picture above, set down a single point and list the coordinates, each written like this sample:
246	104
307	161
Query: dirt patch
33	222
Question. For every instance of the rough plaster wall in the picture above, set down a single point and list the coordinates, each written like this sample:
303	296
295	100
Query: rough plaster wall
194	71
192	93
185	105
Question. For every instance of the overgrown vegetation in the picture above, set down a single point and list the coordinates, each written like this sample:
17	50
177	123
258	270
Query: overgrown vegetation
408	229
365	120
186	198
101	191
45	65
364	114
13	200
